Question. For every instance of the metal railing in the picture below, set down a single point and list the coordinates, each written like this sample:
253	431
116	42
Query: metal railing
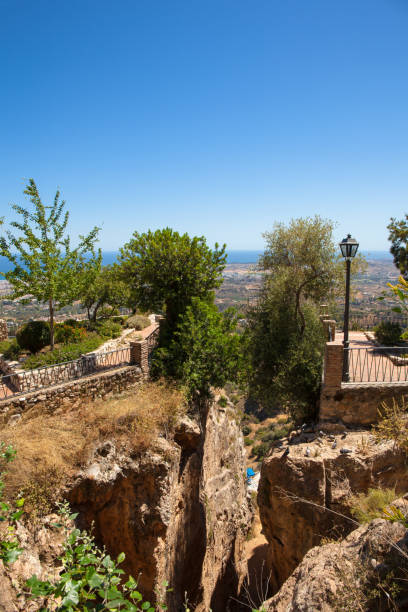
377	364
46	376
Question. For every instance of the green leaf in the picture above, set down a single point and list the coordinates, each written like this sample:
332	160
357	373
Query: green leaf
121	557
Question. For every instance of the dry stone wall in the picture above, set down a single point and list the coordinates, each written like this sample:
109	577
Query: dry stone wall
3	330
69	393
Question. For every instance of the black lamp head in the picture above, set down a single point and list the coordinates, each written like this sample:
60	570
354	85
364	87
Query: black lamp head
348	247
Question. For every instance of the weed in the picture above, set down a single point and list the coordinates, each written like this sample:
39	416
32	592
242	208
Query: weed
368	506
392	424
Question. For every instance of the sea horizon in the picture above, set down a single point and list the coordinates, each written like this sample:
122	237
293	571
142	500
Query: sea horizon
234	256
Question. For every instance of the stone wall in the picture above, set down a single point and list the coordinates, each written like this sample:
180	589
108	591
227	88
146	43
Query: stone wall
3	330
352	403
68	394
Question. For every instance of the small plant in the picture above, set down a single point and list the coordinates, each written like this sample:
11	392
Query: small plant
223	402
138	321
109	329
9	514
368	506
33	335
88	575
12	350
248	441
392	424
388	333
395	515
246	430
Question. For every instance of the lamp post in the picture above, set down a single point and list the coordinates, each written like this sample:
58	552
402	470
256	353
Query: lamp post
348	247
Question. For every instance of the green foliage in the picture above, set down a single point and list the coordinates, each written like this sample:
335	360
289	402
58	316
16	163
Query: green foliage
45	266
10	349
260	450
223	402
246	430
108	329
398	237
395	515
392	424
284	369
284	338
90	578
365	507
9	513
101	286
137	321
205	350
68	352
68	334
388	333
33	335
166	270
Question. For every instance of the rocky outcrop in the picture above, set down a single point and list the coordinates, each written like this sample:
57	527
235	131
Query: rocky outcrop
345	575
179	511
304	495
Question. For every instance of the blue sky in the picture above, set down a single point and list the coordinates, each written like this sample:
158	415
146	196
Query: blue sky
214	117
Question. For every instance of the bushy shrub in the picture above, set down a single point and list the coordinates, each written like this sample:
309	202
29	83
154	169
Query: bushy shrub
388	333
246	430
260	450
75	323
108	329
137	321
68	352
66	334
33	335
12	351
369	506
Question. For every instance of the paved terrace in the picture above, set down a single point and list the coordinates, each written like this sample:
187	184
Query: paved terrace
372	363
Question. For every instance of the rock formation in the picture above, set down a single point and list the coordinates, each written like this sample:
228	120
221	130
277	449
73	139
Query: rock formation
324	478
178	511
344	575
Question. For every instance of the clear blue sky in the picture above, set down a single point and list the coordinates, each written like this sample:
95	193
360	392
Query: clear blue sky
214	117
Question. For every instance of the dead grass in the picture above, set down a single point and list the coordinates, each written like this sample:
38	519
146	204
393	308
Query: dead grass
52	447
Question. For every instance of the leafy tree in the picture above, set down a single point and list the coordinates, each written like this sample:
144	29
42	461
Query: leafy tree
398	237
102	285
45	265
167	270
284	337
205	349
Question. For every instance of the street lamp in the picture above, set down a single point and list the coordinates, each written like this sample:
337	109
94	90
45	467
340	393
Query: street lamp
348	247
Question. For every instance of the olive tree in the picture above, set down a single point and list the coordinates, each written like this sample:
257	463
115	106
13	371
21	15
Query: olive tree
284	337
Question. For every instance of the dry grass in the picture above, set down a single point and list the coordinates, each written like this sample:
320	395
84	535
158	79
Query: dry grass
52	447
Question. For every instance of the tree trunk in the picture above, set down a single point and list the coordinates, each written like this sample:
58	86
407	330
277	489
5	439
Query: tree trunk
51	307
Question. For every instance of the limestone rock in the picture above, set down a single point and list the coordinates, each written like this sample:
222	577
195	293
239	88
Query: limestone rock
301	499
337	575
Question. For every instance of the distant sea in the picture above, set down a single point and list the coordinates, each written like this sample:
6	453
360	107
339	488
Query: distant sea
234	257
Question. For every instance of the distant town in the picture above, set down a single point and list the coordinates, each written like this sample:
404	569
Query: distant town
242	282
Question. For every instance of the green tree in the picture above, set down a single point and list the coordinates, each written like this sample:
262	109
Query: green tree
205	350
167	270
45	265
398	237
102	285
284	338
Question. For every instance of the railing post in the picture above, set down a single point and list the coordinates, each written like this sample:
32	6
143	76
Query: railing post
139	354
333	365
